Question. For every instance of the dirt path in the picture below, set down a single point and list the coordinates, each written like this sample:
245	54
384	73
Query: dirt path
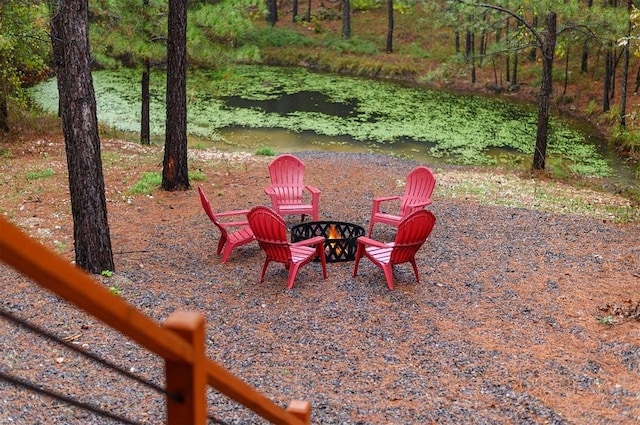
523	316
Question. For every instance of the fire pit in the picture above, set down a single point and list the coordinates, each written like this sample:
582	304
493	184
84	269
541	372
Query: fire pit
341	238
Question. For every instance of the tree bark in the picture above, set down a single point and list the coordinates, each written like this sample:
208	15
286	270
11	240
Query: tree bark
346	19
145	130
625	71
471	48
70	42
308	14
507	64
390	26
566	71
606	81
585	57
585	48
294	12
514	74
175	172
546	90
482	46
467	46
4	113
272	11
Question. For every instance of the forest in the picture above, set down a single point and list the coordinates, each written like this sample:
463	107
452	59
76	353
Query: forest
496	47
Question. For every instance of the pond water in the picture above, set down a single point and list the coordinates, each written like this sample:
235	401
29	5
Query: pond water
290	103
282	140
291	109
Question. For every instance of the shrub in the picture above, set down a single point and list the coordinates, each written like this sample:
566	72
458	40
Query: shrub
265	151
148	183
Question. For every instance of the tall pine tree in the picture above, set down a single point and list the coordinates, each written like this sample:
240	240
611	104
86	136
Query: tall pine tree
70	41
175	172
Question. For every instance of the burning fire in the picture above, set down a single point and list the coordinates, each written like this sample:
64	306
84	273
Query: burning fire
332	233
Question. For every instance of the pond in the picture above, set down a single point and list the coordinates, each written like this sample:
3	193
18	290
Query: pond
292	109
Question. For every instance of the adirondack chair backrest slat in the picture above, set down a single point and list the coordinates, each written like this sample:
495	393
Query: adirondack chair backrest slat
412	233
271	232
207	209
420	183
288	192
286	170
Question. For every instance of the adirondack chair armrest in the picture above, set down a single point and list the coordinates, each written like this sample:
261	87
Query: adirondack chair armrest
226	224
315	193
377	201
420	204
232	213
311	241
372	242
314	190
271	192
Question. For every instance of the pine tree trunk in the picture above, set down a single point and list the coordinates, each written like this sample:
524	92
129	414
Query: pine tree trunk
346	19
473	58
175	173
145	130
566	71
308	15
390	26
467	46
70	40
606	81
514	79
4	113
625	72
507	65
546	90
585	57
585	48
272	12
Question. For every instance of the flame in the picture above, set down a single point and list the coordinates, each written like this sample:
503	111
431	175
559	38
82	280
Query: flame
332	233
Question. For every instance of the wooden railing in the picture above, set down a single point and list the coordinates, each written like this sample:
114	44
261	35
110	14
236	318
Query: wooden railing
180	341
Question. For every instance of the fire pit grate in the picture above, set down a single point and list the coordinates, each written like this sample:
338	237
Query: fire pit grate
341	238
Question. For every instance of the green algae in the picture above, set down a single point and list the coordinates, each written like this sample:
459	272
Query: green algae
458	129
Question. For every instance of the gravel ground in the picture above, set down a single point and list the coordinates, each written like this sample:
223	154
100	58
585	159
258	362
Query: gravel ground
523	316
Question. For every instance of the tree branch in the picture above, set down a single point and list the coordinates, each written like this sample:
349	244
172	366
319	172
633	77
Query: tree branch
532	30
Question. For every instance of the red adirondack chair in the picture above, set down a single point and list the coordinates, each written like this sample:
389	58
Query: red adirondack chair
271	232
287	189
412	232
228	239
417	195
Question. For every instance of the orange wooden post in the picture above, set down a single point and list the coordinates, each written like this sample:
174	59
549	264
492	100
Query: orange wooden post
301	410
189	380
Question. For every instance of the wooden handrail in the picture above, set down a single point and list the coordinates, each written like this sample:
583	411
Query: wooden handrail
73	284
222	380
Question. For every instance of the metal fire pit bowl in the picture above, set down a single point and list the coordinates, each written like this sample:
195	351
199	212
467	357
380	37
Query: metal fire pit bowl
336	249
